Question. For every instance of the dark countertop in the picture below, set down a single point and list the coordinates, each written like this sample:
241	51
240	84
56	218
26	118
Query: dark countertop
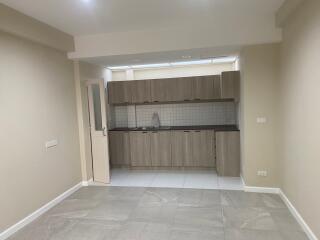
220	128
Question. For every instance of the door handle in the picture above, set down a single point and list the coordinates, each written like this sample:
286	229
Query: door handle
104	131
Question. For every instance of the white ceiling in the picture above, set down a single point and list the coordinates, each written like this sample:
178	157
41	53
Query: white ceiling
86	17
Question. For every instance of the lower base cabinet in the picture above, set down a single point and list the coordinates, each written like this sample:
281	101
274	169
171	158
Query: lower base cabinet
140	149
228	153
190	148
119	145
193	148
160	142
203	145
182	149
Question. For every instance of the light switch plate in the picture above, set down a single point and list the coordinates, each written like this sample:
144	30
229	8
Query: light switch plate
51	143
262	173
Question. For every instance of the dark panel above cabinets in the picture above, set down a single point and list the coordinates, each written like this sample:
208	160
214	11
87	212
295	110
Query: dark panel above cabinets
203	88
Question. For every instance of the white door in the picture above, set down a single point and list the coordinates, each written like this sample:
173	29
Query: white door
99	131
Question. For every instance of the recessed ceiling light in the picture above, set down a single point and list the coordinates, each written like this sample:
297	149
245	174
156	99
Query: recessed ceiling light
186	57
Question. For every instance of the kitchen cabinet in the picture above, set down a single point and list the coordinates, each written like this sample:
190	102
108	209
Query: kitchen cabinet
140	149
160	142
230	85
206	87
119	92
141	91
181	89
119	145
228	153
182	149
203	145
161	90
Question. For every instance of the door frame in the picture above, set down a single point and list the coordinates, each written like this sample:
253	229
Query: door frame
99	138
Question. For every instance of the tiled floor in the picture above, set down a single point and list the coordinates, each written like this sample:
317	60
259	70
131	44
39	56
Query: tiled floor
133	213
198	179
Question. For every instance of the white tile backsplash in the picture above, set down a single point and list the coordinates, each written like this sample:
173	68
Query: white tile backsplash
210	113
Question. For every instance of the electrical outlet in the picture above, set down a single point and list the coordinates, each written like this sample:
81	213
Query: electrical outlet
262	173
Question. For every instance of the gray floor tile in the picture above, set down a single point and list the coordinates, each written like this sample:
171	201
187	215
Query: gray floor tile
93	230
130	231
241	199
116	210
248	218
273	201
200	218
47	228
154	214
293	235
74	208
285	221
214	234
159	197
130	213
247	234
190	198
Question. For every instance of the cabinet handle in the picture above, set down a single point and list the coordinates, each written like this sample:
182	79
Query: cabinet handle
144	132
186	131
198	131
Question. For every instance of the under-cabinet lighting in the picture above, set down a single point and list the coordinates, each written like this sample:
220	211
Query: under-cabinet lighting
156	65
173	64
119	68
197	62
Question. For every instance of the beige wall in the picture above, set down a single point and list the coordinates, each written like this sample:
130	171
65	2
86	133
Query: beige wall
37	102
84	72
259	84
16	23
300	112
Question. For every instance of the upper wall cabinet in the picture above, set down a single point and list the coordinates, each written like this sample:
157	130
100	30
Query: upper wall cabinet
161	90
206	87
182	89
120	92
141	91
230	85
226	86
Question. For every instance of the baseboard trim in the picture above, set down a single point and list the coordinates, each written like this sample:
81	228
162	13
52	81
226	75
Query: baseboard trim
22	223
291	208
261	189
258	189
298	217
87	183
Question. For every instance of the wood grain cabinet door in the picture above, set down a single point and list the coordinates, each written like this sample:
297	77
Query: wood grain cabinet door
115	94
161	90
181	149
161	149
181	89
206	87
228	153
141	91
120	92
203	148
119	147
140	149
230	85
